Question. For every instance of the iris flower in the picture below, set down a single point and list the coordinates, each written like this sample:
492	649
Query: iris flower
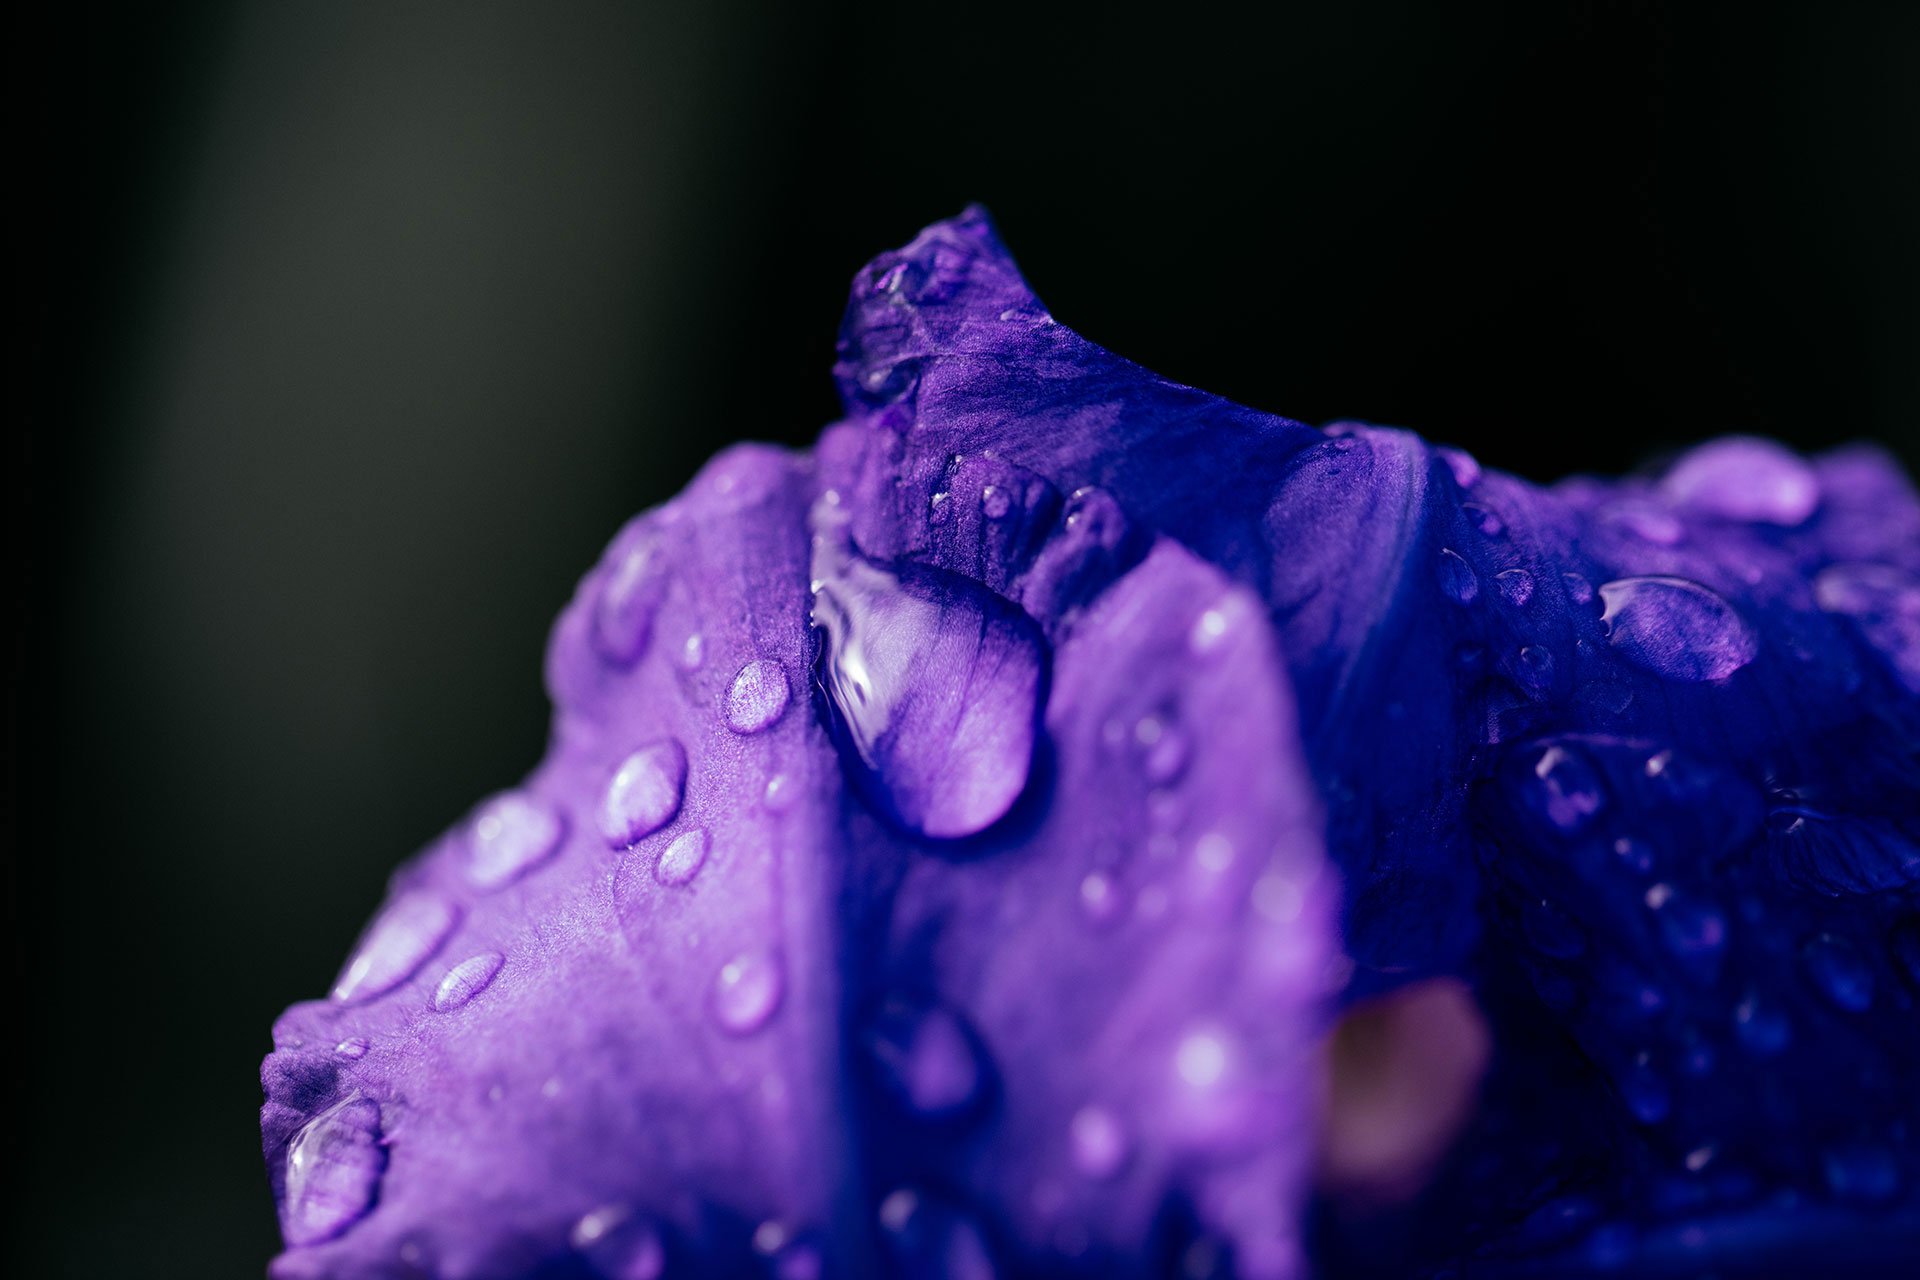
958	844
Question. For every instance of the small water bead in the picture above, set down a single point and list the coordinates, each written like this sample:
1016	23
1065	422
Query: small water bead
1515	586
926	1057
619	1243
404	937
1761	1028
1535	668
747	991
1570	791
623	613
779	793
1699	1158
1741	478
645	793
1457	577
1209	630
681	861
995	502
1676	629
333	1172
1579	590
512	834
1100	897
1840	971
352	1048
1691	928
466	980
1463	465
1485	519
693	652
898	645
1098	1142
1647	522
758	697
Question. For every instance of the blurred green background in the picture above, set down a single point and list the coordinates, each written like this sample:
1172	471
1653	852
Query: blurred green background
352	331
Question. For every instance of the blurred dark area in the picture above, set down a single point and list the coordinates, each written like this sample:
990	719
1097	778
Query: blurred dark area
351	334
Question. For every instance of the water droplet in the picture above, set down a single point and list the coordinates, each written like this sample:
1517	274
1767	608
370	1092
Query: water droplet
1164	758
1840	971
994	502
1741	478
623	614
1099	1143
1466	471
333	1171
1762	1029
353	1048
1552	931
926	1057
619	1243
1201	1059
1100	897
512	834
1862	1172
644	794
466	980
1676	629
1457	578
779	793
1569	791
1535	668
900	649
1647	522
1645	1093
1209	629
1637	854
1579	590
693	652
758	697
1485	519
1692	928
747	991
1515	586
1699	1158
404	937
680	861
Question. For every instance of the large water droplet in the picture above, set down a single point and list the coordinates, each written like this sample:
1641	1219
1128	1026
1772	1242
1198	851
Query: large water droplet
333	1171
623	613
512	834
926	1057
619	1243
1740	478
1840	971
1676	628
645	793
747	991
680	861
758	696
466	980
1098	1142
935	683
404	937
1457	577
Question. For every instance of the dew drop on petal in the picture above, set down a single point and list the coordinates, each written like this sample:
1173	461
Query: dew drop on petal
995	502
1463	465
1457	577
1761	1028
1741	478
1579	590
926	1058
512	834
1567	790
466	980
403	938
1515	586
619	1243
1840	971
1535	668
1098	1142
758	697
1676	629
623	613
747	991
1100	897
644	794
1485	519
333	1172
352	1048
680	861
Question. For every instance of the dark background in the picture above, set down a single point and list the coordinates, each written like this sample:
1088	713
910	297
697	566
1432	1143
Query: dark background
350	336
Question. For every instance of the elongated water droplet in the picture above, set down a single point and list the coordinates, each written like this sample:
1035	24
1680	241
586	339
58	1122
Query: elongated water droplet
352	1048
404	937
1840	971
1098	1142
333	1172
623	613
926	1057
681	861
758	697
1741	478
1457	577
935	684
747	991
644	794
619	1243
512	834
1676	629
1515	585
466	980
